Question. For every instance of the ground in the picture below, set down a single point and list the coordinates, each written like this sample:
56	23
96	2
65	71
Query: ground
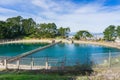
98	74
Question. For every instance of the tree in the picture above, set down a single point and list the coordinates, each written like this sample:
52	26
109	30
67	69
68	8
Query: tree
83	34
52	29
14	24
118	31
28	26
47	30
67	30
18	27
2	29
110	33
63	32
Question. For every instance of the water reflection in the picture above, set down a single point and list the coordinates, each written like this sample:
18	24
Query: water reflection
83	53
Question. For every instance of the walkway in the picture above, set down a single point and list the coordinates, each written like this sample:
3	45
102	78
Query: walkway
31	52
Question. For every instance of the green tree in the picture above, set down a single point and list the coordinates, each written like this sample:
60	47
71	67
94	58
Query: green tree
52	29
28	26
118	31
63	32
17	27
110	33
14	24
83	34
2	29
47	30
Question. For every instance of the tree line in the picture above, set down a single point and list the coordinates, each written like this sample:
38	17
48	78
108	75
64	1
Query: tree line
110	33
18	27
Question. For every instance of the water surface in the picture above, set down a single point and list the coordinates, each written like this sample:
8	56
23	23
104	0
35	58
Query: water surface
18	48
74	50
72	53
82	53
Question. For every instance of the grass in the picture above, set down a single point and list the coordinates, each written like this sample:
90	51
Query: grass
32	77
28	75
41	75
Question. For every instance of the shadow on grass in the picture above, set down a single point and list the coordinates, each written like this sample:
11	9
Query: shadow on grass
67	74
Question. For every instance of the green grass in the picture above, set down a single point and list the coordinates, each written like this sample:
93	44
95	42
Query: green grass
32	77
26	75
42	75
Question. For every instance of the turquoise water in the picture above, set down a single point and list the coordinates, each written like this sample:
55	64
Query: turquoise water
74	50
16	49
72	53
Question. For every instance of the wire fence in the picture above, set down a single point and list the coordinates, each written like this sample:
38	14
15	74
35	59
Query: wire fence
98	60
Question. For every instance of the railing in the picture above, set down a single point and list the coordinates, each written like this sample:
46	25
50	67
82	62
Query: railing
3	41
109	60
106	60
31	63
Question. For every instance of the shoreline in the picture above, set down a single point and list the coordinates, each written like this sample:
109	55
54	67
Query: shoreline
107	44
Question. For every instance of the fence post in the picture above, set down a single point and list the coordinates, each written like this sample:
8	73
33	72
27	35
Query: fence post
109	59
5	63
32	63
63	63
87	60
18	64
46	63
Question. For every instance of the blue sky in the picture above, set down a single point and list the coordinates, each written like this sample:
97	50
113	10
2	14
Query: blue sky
91	15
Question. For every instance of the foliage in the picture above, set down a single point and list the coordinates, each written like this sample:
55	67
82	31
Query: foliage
47	30
28	26
63	32
110	33
3	29
83	34
118	31
18	27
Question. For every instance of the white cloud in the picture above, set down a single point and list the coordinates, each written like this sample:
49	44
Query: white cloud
46	4
41	3
6	13
52	5
92	16
94	22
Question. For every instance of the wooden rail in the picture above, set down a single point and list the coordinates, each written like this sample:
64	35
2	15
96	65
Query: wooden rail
31	52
